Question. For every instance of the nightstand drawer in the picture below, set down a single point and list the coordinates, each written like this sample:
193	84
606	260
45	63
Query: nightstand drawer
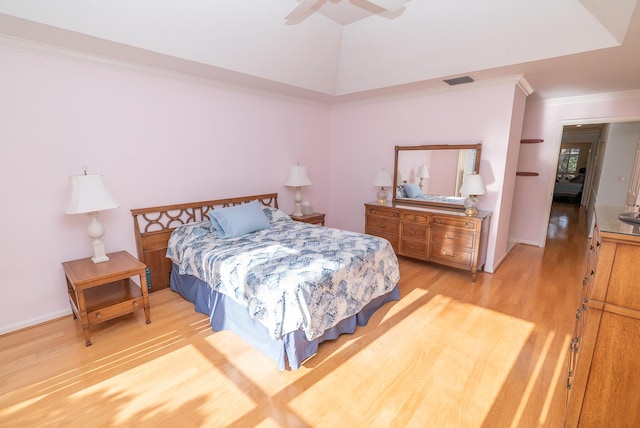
115	311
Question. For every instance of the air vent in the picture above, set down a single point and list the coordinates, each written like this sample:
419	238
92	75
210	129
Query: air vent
459	80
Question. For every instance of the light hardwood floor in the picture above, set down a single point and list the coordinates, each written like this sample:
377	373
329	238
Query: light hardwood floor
448	354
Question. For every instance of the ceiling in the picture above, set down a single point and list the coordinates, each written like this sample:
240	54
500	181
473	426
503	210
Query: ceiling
348	50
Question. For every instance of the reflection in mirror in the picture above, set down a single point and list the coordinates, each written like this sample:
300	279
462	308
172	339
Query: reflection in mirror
432	174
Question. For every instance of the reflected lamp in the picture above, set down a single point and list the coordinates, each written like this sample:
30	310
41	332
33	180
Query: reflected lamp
423	172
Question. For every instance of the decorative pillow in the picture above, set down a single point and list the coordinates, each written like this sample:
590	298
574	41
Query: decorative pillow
412	190
239	220
274	214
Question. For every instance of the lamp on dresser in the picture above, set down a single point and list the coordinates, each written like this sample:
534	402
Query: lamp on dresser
298	178
90	196
382	180
472	185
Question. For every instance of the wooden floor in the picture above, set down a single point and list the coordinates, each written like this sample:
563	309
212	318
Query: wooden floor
448	354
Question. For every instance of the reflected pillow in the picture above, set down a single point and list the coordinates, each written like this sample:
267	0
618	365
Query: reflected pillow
412	190
231	222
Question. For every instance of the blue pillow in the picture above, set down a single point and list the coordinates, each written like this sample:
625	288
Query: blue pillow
412	190
238	220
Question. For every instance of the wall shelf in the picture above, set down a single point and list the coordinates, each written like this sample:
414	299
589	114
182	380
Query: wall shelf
528	174
531	141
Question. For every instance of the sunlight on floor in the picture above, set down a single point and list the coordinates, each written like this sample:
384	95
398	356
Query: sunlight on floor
447	361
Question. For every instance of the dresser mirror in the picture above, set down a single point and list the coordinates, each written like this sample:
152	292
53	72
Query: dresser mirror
431	175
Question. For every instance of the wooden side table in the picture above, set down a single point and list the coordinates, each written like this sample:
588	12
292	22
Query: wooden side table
102	291
315	218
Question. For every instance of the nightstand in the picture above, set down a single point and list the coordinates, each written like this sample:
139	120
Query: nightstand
102	291
315	218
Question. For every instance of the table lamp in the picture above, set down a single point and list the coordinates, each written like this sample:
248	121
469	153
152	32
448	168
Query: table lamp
382	180
89	196
298	178
472	185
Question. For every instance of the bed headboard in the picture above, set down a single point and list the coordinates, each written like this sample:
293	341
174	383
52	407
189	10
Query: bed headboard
154	225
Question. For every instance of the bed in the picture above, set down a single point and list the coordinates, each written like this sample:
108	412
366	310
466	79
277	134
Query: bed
283	288
567	189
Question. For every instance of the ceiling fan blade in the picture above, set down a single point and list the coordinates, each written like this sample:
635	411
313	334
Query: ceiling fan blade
303	11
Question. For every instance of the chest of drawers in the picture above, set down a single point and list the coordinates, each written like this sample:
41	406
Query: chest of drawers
603	359
440	236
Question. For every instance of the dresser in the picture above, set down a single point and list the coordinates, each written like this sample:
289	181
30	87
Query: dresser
446	237
604	356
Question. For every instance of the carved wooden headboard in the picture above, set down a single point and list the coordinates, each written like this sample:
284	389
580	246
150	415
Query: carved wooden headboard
154	225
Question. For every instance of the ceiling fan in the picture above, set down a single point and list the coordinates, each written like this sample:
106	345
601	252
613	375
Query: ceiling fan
389	8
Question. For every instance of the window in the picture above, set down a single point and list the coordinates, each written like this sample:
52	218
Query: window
568	165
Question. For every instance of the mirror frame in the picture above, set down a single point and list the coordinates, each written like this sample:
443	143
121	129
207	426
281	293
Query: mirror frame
409	201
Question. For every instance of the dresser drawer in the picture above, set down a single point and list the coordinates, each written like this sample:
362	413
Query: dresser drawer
416	249
415	217
382	212
452	236
462	222
379	226
450	255
413	231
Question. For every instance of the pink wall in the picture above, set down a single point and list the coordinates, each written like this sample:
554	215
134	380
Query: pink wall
533	195
161	139
157	140
364	136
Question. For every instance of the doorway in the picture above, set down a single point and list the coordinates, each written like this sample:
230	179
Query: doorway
601	156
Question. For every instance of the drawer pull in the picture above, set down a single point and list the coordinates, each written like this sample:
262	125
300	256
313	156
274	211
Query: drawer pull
413	231
374	211
450	237
135	303
415	217
448	254
98	315
394	215
439	221
413	247
383	225
467	224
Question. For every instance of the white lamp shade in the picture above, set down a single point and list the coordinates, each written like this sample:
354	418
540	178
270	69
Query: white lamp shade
423	171
399	181
298	177
383	179
88	194
472	185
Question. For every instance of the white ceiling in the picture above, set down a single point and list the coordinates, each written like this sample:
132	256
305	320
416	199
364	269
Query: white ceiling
346	50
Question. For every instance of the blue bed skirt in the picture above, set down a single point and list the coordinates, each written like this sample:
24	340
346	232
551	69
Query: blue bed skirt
290	350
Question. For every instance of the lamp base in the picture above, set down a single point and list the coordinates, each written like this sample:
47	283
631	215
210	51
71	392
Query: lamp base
99	254
95	231
471	206
382	196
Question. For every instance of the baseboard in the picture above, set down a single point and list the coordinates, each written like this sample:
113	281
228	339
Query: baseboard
33	322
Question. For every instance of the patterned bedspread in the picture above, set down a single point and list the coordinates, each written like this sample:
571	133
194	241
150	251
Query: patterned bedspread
291	276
